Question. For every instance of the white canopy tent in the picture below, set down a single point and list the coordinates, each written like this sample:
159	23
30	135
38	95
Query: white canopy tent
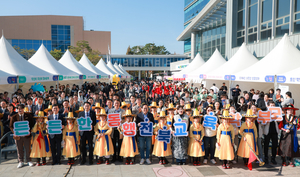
111	66
215	61
195	64
126	73
103	67
7	82
225	72
119	70
85	62
13	63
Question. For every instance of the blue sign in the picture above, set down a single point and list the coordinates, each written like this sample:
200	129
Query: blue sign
98	77
281	79
201	76
184	76
54	127
84	124
12	80
229	77
21	128
164	135
269	79
210	121
80	76
146	128
55	78
180	128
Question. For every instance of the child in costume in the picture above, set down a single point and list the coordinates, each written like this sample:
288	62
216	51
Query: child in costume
288	144
225	140
129	146
41	145
71	139
188	111
103	145
249	136
196	145
161	149
153	110
170	110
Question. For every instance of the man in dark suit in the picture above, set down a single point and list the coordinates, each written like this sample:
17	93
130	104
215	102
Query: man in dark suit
87	135
22	142
207	103
5	120
55	140
39	106
30	105
144	141
65	109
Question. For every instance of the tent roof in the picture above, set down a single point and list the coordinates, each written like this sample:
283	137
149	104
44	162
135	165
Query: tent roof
13	63
103	67
111	66
236	63
121	67
44	60
283	58
71	63
196	63
117	68
4	76
290	77
213	62
84	61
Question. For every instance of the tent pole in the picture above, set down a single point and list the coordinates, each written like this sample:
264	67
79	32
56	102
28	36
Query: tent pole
229	89
17	83
57	83
275	82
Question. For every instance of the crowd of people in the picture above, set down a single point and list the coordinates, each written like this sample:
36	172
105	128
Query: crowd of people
163	103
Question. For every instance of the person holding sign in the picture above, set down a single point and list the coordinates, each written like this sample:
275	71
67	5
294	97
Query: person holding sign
55	139
170	110
288	144
71	139
86	122
225	140
103	144
40	145
161	149
196	145
249	136
129	146
180	143
22	141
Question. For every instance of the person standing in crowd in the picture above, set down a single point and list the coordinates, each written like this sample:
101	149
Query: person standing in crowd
224	87
235	92
39	106
23	142
138	107
144	141
214	88
288	99
277	98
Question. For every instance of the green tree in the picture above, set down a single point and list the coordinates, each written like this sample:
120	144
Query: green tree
84	47
26	53
129	52
57	54
148	49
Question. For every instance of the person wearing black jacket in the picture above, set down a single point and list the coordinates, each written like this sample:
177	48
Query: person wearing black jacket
87	135
262	101
55	140
235	92
144	140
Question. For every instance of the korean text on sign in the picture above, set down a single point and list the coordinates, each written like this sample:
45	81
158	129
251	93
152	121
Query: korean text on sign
164	135
21	128
84	124
180	128
146	129
272	114
129	129
114	120
54	127
210	121
236	121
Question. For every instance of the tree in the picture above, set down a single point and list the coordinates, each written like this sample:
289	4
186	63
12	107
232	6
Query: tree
57	54
129	52
26	53
148	49
84	47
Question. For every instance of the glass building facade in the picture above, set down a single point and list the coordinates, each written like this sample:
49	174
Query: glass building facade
61	37
145	61
30	44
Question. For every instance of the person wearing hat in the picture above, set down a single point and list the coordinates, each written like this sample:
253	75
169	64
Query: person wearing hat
196	145
225	140
129	147
153	109
248	131
22	142
103	145
180	144
55	140
97	108
125	106
170	110
288	144
71	139
40	144
162	149
188	111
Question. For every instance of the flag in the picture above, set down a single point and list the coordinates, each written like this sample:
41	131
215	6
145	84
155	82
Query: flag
252	158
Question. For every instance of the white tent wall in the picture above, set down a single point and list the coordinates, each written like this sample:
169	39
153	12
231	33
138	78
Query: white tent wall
10	88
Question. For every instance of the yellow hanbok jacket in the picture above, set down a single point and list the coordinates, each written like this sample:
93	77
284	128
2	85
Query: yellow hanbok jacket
71	138
156	118
41	144
129	146
196	149
250	132
225	137
161	149
103	145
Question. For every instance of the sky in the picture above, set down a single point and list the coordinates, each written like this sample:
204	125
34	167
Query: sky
131	22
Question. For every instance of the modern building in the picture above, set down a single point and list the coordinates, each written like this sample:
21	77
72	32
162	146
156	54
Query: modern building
55	32
143	66
226	24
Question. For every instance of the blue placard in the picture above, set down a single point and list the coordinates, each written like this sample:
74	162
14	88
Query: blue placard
80	76
227	77
201	76
54	127
55	78
164	135
210	121
184	76
21	128
180	128
281	79
84	124
269	79
12	80
146	129
232	77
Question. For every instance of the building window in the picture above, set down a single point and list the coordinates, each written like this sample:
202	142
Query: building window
252	21
297	17
61	37
31	44
266	20
194	9
187	45
241	22
282	17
